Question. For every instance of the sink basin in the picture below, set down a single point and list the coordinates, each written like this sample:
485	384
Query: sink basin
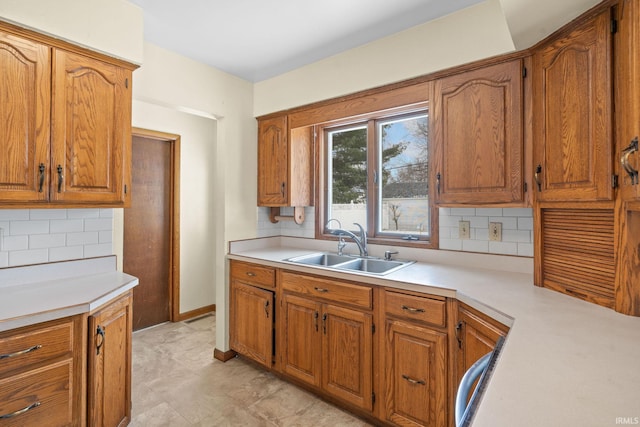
322	259
350	263
376	266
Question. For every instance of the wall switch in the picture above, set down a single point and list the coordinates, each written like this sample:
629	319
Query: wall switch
495	231
464	230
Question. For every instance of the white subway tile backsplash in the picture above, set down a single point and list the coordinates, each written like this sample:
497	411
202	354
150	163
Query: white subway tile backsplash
38	241
66	226
489	212
35	214
525	249
102	249
15	243
517	225
28	227
84	238
66	253
101	224
475	246
503	248
83	213
47	235
14	214
33	256
525	223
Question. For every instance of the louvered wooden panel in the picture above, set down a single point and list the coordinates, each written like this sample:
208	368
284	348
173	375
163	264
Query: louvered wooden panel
577	253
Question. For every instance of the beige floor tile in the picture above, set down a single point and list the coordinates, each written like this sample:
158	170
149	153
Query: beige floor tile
176	382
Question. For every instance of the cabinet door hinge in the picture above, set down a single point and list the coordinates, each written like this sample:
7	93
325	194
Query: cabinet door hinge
525	187
614	26
373	328
524	72
614	181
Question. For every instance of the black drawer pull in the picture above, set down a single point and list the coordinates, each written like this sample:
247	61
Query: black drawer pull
19	411
251	274
412	310
412	381
322	290
21	352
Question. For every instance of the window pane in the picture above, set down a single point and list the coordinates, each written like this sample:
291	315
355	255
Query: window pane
403	190
347	172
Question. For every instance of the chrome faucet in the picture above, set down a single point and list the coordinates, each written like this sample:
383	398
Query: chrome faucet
361	241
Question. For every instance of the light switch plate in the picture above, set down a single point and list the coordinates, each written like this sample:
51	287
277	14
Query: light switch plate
495	231
464	229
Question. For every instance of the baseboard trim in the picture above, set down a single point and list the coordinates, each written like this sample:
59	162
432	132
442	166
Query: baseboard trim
223	356
197	312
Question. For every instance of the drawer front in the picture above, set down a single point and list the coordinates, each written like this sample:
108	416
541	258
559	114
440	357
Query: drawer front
333	291
411	307
253	274
40	397
31	345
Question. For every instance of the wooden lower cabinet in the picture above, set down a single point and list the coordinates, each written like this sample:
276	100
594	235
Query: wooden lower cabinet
477	335
42	374
109	375
415	375
330	347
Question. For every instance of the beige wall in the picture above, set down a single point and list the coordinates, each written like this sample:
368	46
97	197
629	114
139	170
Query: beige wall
89	23
474	33
218	183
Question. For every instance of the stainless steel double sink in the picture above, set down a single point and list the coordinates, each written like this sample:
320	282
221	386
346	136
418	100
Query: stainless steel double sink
350	263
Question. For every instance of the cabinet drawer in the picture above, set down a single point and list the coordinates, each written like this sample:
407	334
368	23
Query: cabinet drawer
334	291
411	307
38	397
31	345
253	274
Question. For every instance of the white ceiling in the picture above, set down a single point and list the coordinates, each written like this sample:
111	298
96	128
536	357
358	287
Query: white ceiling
259	39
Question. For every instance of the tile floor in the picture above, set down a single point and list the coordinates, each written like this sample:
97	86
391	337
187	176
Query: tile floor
176	382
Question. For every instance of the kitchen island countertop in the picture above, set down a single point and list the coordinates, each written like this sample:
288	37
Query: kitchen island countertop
565	362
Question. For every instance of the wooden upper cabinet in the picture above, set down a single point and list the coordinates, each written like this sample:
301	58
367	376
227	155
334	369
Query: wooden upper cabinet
91	129
477	136
572	115
285	164
65	124
627	98
25	89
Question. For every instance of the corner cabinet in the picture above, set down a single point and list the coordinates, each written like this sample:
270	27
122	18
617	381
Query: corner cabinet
285	164
477	122
66	124
109	373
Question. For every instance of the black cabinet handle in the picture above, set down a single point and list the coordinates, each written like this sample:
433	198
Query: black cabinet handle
19	411
536	177
41	169
438	176
412	381
60	178
101	333
624	161
266	308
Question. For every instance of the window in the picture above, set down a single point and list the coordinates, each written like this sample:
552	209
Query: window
376	175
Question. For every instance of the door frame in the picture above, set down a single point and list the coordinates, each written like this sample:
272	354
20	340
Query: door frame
174	215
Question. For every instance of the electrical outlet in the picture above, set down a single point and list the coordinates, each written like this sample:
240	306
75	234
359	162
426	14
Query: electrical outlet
495	231
464	229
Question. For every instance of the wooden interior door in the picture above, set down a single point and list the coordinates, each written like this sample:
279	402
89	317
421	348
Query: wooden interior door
148	231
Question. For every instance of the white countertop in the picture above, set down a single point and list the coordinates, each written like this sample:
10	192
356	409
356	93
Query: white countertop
35	294
565	362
